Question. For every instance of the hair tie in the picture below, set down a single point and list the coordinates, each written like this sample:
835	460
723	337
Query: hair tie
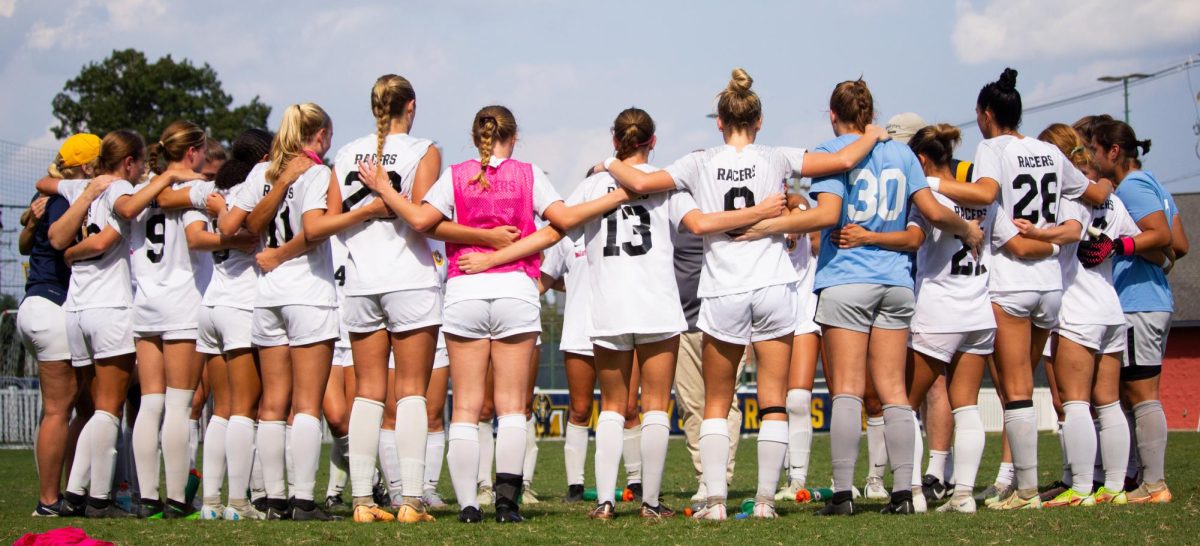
646	142
484	119
1076	150
161	145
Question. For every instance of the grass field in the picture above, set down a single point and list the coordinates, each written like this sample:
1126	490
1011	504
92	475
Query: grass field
554	522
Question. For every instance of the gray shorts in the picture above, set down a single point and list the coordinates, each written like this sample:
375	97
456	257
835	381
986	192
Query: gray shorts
860	307
1145	343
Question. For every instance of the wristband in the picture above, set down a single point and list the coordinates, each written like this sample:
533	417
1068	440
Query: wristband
1166	263
1124	246
1054	250
934	183
608	162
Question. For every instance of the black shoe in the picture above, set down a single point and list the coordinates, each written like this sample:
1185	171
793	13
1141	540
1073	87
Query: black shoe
148	508
933	488
842	504
902	506
104	508
179	510
1131	484
656	512
307	510
508	489
334	503
470	514
379	494
52	510
506	513
1053	490
73	505
574	493
260	504
636	489
277	509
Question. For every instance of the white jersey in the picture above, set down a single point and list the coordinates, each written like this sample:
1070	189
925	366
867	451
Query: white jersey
568	260
235	273
722	179
1088	293
161	261
952	285
631	261
306	279
385	253
104	280
1034	179
800	252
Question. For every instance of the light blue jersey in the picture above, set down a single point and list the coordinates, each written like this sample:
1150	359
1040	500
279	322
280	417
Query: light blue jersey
875	195
1141	285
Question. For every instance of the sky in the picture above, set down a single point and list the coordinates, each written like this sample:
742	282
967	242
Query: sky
567	68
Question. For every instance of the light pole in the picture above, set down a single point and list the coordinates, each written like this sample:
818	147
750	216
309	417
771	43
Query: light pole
1125	82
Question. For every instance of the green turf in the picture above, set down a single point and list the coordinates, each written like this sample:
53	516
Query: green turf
554	522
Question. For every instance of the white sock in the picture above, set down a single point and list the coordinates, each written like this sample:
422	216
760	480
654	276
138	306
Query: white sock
177	410
1114	444
1098	464
272	443
193	439
339	466
435	449
575	452
1079	437
412	427
800	433
1020	425
1151	423
656	431
462	456
258	485
487	453
918	451
145	444
877	454
1004	477
531	451
937	464
239	452
714	455
214	457
289	462
1067	477
772	447
609	428
389	461
306	454
510	444
968	445
631	454
365	417
81	466
104	452
948	470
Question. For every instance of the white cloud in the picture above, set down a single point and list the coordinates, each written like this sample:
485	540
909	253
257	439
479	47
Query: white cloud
1082	79
1011	30
565	154
7	7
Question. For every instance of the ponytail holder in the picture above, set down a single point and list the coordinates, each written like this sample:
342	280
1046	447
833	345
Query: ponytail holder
314	157
1076	150
161	145
646	142
484	119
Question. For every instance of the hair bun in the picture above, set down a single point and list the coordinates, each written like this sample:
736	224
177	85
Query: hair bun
740	81
1145	146
947	133
1008	79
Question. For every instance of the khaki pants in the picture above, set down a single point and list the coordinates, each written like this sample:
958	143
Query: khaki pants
689	398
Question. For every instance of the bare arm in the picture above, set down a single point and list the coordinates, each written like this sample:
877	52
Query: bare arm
130	206
29	220
92	245
1028	249
451	232
854	235
825	215
1097	192
568	217
637	180
1155	235
48	185
705	223
946	219
200	239
817	164
422	217
259	218
980	193
1179	239
1065	233
62	231
175	198
478	262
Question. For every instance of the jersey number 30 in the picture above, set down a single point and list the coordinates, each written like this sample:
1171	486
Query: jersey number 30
884	196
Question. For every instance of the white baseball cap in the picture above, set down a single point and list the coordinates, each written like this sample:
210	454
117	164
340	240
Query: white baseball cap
903	126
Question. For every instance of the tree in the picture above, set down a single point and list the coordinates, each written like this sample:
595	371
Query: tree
124	91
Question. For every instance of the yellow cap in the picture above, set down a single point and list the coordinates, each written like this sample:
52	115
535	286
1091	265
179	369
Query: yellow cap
80	149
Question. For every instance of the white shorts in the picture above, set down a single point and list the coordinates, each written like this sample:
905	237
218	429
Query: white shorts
398	311
491	319
441	358
171	319
806	311
223	329
764	313
293	325
101	332
626	342
342	356
42	325
1100	338
1039	306
943	346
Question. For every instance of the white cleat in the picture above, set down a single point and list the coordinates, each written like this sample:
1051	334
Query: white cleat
210	512
715	511
918	500
237	514
963	505
875	490
764	509
788	492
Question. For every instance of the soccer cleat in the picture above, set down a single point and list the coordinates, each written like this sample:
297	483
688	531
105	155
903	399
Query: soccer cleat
379	494
844	508
788	492
636	489
988	492
700	498
52	510
1147	493
176	510
470	514
1000	494
73	505
1015	501
764	508
278	509
900	507
485	496
528	495
149	508
260	504
1053	490
210	512
235	513
104	508
875	490
307	510
714	510
574	493
366	513
962	505
933	488
920	504
410	513
508	513
656	512
603	511
432	499
1104	495
335	503
1070	497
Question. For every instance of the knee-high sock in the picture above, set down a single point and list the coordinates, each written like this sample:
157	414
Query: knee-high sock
1114	444
339	466
510	444
1020	425
1098	465
1079	435
531	451
877	455
918	451
899	427
193	439
462	456
714	456
656	430
609	427
306	454
1005	474
575	452
936	466
800	433
289	463
631	454
968	447
365	417
389	462
772	447
145	444
1067	477
948	469
435	449
104	452
175	432
1151	425
845	428
214	459
487	453
258	485
412	426
81	466
239	452
272	443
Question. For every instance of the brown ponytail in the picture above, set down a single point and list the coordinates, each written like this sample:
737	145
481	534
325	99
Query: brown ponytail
492	124
1118	133
853	104
179	137
632	130
117	146
389	97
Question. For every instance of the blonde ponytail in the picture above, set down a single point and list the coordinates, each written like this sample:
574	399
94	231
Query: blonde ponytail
300	123
389	97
